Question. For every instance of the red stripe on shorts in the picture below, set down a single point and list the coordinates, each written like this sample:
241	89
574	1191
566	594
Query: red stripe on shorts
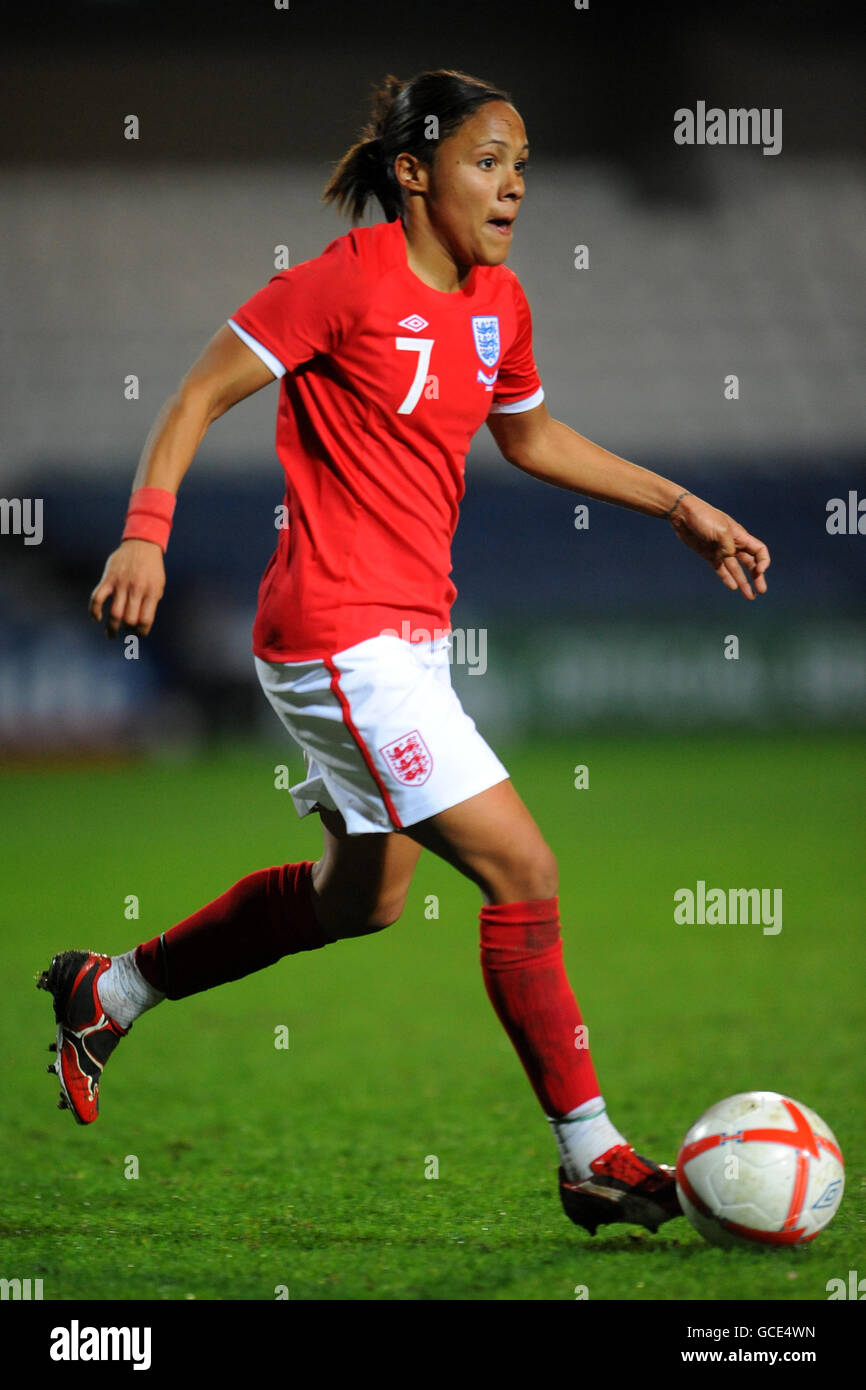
365	752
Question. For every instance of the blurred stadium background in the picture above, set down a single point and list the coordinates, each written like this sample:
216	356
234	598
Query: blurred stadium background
122	257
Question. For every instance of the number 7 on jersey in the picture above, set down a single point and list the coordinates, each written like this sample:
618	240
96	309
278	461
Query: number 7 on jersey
423	347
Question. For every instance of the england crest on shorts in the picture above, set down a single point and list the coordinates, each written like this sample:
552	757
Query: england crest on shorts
486	330
409	759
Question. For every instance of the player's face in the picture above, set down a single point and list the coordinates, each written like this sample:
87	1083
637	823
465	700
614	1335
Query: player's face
477	184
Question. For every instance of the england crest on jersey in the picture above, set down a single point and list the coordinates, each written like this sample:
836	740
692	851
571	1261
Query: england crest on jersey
486	330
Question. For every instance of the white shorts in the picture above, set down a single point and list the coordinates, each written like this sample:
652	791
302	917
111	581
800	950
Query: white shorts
385	738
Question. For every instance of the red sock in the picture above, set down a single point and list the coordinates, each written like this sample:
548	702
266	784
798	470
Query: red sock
521	960
267	915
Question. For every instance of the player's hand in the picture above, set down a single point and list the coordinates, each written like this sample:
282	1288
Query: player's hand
134	580
736	556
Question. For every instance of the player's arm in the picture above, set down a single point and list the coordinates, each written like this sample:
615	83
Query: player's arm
548	449
226	372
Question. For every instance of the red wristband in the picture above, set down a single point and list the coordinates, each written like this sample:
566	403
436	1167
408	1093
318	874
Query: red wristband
149	516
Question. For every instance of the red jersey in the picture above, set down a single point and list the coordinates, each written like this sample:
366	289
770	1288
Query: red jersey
384	382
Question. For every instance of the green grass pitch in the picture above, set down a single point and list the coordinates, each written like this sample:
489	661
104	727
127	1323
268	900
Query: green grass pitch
305	1168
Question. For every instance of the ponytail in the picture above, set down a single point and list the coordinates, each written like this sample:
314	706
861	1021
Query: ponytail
360	175
400	122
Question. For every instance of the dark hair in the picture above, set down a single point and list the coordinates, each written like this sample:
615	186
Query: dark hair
400	120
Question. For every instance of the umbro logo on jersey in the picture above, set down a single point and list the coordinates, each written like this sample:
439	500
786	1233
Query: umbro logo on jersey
414	322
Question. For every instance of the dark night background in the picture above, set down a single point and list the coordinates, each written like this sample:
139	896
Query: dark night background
125	256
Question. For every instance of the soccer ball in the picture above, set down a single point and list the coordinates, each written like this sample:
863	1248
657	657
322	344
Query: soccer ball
760	1168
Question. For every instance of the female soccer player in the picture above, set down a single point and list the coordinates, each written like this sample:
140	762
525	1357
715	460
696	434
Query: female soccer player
393	346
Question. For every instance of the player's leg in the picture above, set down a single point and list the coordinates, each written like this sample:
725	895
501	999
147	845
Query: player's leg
360	883
358	886
493	840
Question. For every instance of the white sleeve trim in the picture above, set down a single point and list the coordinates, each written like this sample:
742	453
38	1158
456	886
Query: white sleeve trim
515	407
272	363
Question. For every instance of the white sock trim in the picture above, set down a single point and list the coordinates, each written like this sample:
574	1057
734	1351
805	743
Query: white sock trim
583	1135
123	991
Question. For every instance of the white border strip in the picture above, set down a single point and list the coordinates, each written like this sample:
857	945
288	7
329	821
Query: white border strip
516	407
272	363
